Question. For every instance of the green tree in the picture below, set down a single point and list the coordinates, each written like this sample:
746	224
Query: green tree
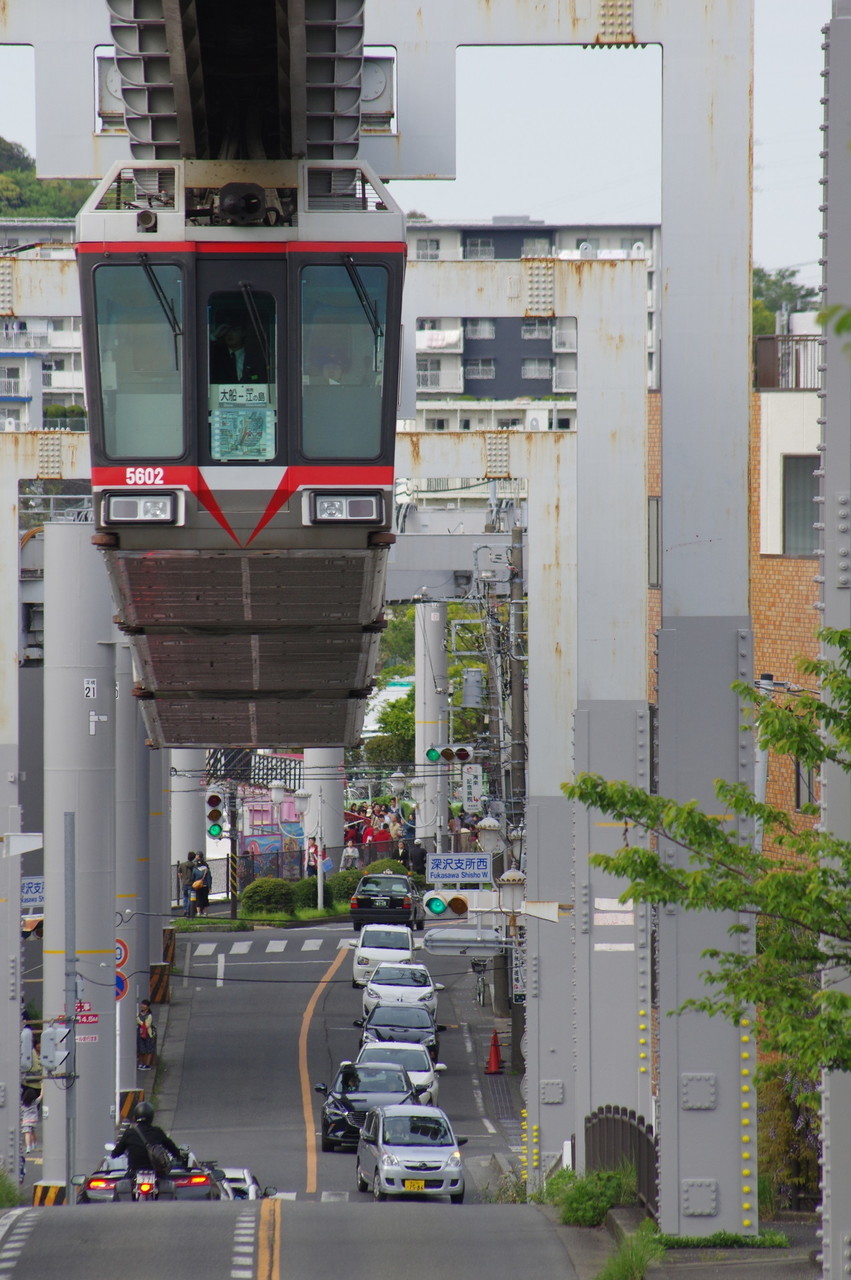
763	319
779	289
14	156
394	743
796	886
23	195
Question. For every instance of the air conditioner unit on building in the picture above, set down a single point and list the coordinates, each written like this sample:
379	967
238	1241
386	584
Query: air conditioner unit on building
10	424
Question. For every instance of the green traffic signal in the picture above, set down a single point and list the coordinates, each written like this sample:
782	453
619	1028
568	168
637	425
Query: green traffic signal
214	816
433	754
435	904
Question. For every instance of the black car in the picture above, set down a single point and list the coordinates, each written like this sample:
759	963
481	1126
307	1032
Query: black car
405	1023
356	1090
387	897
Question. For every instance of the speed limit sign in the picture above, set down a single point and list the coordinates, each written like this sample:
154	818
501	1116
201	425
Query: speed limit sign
121	953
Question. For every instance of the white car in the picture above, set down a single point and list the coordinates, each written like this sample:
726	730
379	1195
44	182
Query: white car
243	1185
416	1060
401	984
377	943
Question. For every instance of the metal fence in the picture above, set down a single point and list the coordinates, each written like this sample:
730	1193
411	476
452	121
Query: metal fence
787	362
615	1136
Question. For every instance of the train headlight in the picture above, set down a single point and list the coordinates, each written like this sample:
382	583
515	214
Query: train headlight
354	508
139	508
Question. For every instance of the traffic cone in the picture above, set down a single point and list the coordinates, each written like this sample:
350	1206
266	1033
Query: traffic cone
494	1065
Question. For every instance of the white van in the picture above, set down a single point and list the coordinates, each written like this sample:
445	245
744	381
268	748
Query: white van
377	944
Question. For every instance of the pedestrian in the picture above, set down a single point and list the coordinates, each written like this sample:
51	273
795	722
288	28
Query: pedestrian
186	875
312	857
146	1037
349	859
383	841
418	858
30	1103
202	884
402	854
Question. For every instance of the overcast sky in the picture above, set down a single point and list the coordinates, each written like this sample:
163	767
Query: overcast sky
602	107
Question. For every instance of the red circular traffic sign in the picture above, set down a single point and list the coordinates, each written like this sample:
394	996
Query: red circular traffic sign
121	952
121	985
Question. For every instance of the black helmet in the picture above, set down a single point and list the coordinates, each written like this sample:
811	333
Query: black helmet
143	1111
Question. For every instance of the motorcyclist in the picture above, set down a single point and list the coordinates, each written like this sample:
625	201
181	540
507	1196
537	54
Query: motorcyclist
137	1137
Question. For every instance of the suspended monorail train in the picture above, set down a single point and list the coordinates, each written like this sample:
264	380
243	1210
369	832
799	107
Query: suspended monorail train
242	338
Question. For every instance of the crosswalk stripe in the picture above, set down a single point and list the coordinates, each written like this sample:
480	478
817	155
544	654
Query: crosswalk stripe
311	944
334	1195
240	948
205	948
277	944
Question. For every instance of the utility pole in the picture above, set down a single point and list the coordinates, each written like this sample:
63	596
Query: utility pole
517	679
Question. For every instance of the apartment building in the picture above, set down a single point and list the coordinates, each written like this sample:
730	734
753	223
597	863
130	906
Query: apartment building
41	368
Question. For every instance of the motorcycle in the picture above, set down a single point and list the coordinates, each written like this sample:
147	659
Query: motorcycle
112	1183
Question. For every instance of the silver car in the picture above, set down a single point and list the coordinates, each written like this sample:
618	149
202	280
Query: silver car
410	1150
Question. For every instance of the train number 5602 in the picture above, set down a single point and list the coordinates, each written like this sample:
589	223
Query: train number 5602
145	475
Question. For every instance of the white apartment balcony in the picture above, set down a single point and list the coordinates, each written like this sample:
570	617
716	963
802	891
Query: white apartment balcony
564	380
26	340
11	387
62	380
564	336
449	340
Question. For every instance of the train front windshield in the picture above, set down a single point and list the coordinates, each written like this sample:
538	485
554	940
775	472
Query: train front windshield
343	334
242	384
289	360
140	337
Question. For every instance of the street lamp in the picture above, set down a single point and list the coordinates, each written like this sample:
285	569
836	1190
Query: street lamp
511	892
301	801
397	782
490	837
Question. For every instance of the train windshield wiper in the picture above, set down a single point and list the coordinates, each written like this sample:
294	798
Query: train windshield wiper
363	297
254	317
165	304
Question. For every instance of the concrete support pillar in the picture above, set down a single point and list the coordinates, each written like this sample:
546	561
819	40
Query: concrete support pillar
10	1009
159	871
324	778
79	765
131	879
431	701
707	1122
835	506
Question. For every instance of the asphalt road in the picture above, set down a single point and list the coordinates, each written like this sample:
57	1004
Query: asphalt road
251	1058
255	1021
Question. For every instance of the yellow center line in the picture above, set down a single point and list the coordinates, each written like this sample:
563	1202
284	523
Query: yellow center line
306	1092
268	1240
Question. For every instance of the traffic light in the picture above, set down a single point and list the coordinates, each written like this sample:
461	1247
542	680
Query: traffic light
451	753
445	902
56	1045
214	815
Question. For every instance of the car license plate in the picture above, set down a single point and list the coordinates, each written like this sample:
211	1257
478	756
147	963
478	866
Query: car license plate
381	902
414	1184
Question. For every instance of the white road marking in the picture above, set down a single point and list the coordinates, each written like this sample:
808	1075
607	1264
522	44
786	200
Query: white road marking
491	1128
240	948
277	944
311	944
205	948
220	969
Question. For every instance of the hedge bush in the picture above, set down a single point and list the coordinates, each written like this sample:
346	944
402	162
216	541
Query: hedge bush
340	885
268	893
304	893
